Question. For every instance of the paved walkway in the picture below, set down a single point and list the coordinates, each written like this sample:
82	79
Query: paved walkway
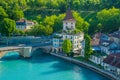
100	71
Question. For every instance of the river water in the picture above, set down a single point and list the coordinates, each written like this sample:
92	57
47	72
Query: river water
43	67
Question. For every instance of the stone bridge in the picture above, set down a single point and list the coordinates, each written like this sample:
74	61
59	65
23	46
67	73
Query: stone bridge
24	51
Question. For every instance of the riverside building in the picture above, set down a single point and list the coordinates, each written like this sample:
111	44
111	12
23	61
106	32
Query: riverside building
69	32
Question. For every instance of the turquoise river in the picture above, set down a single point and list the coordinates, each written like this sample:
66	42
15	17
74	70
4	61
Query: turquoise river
43	67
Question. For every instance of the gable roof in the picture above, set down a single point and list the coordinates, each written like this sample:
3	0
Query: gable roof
113	60
23	22
69	16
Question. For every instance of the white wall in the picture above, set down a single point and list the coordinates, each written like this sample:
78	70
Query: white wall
69	24
95	59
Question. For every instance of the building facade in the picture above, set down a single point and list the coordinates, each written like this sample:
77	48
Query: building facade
23	24
68	32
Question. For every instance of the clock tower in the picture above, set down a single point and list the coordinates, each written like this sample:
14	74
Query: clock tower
69	21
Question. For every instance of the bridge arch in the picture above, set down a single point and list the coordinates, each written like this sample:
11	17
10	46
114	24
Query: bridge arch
10	55
44	49
36	50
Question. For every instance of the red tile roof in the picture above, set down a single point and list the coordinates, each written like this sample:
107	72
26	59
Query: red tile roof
69	16
113	59
96	39
95	42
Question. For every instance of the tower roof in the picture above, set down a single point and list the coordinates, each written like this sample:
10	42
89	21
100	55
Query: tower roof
69	16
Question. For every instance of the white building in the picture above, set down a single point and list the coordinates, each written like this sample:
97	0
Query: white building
69	32
23	24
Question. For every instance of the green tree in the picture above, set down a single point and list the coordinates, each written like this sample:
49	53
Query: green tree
39	19
7	27
81	24
110	19
36	30
3	14
58	24
100	27
48	30
67	46
88	49
16	15
18	32
22	4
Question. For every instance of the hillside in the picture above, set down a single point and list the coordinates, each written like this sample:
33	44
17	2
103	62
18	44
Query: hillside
49	13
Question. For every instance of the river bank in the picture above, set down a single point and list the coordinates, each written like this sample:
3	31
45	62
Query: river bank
100	71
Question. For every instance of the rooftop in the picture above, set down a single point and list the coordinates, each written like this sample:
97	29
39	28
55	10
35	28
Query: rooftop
24	22
105	43
113	60
115	34
69	16
96	38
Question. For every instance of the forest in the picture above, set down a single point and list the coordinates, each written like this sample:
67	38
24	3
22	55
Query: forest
91	15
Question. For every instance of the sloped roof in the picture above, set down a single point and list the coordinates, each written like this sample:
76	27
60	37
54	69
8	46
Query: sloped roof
69	16
113	60
96	39
23	22
95	42
106	43
115	34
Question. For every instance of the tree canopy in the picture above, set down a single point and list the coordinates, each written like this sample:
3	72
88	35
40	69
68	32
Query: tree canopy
88	49
109	19
91	15
67	46
7	27
3	13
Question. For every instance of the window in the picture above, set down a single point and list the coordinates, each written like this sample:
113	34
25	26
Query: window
66	23
71	37
71	23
